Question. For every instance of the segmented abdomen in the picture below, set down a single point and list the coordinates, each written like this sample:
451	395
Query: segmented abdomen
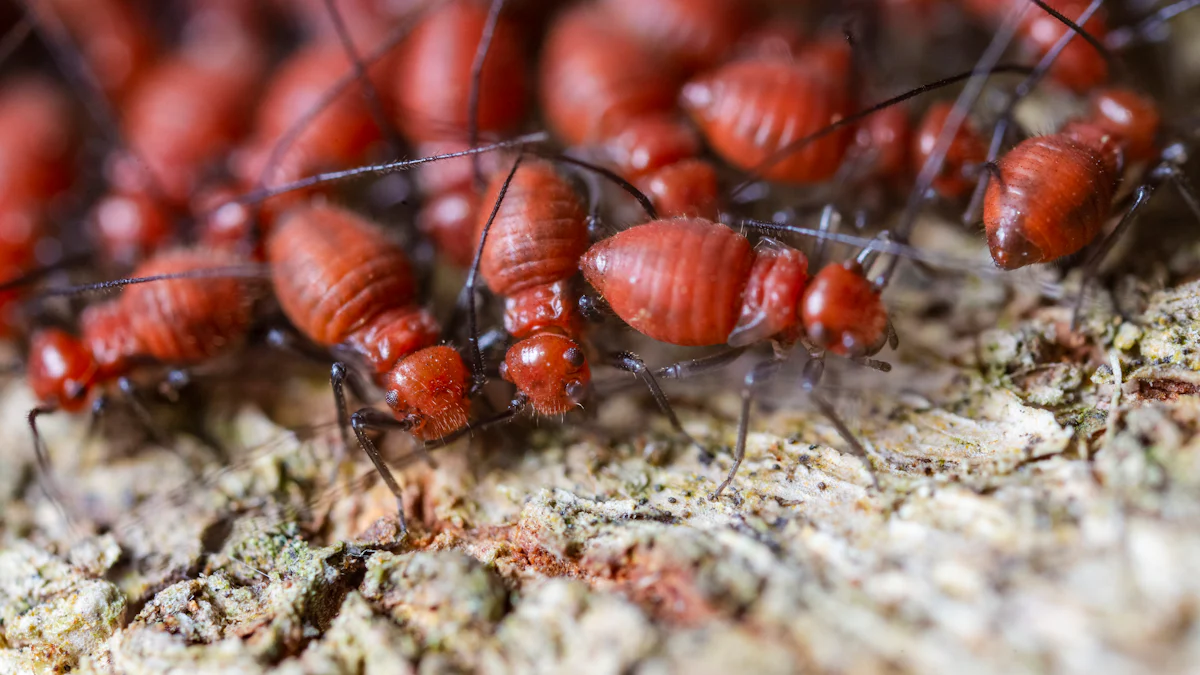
333	271
749	109
1051	199
186	320
679	281
538	234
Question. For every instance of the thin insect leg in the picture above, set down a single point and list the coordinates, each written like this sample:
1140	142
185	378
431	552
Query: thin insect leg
370	95
338	373
134	397
15	37
370	418
478	376
867	256
813	372
1123	37
83	80
958	115
632	363
893	338
1141	197
46	473
481	53
1171	169
99	407
699	366
758	374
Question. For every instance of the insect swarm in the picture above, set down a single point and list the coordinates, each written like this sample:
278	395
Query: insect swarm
976	482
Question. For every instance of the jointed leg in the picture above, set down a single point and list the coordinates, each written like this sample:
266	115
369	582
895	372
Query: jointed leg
45	472
757	375
337	379
813	370
369	418
704	364
1141	197
632	363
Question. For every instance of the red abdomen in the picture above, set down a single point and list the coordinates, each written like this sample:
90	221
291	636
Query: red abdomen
595	78
186	320
432	88
334	271
747	110
678	281
539	232
1051	199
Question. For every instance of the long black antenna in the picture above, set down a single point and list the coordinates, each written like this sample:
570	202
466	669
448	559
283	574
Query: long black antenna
478	376
261	195
370	95
289	137
228	271
481	53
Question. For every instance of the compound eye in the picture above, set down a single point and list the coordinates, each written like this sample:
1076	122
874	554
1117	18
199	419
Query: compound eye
576	391
574	357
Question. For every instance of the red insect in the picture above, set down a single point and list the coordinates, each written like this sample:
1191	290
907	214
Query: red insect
1031	218
1079	67
967	151
603	83
694	282
750	109
115	39
182	116
431	87
693	34
338	136
595	78
37	145
179	321
531	253
342	283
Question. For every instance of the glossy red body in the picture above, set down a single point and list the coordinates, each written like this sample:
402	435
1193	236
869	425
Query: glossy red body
175	321
694	282
748	110
342	282
967	150
432	84
595	78
532	251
